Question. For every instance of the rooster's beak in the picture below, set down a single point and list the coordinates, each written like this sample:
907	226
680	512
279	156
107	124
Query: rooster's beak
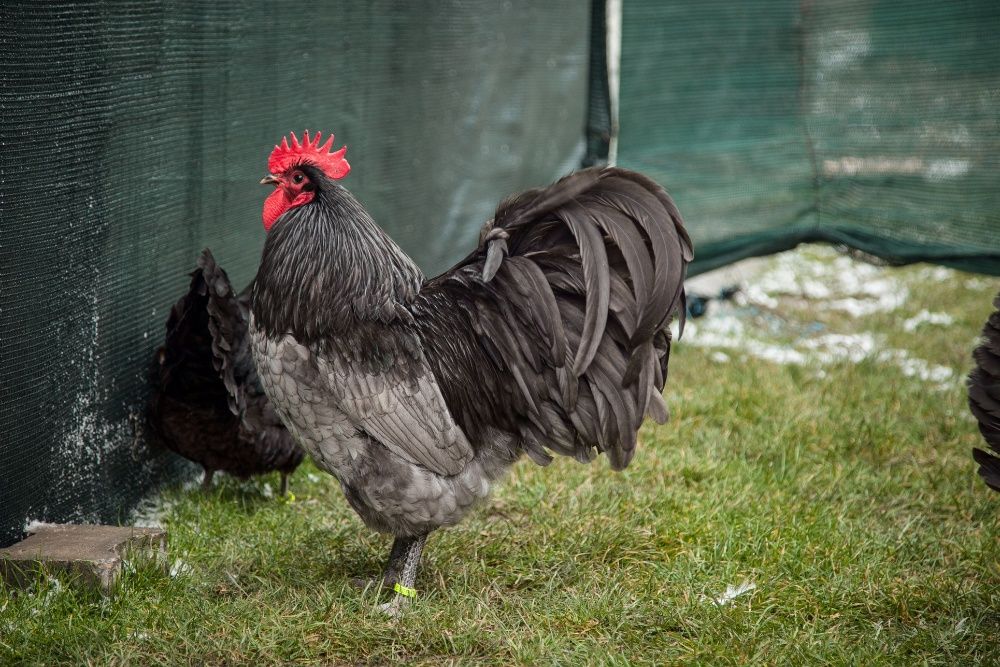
269	180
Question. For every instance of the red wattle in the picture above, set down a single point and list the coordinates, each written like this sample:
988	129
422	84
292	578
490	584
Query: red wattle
278	202
275	204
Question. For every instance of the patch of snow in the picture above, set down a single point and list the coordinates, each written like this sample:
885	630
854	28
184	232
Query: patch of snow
853	287
719	357
726	332
747	323
832	348
942	273
937	274
927	317
813	289
885	302
976	283
753	294
782	279
776	353
939	133
919	368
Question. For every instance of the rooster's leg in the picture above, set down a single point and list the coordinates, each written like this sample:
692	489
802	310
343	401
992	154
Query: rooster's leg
284	484
206	482
392	569
403	564
396	557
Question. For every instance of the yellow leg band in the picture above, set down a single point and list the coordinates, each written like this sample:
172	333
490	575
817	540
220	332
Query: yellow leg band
403	590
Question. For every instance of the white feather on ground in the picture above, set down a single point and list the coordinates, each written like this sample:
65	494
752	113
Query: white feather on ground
732	592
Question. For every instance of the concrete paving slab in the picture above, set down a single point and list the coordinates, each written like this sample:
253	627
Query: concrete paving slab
92	553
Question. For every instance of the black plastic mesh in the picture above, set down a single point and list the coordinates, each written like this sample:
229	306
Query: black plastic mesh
868	122
134	133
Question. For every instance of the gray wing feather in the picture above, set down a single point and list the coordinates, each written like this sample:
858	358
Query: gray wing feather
401	408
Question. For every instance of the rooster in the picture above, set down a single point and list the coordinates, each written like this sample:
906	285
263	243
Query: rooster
551	337
207	403
984	397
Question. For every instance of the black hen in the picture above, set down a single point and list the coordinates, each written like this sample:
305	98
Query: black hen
207	403
984	397
551	337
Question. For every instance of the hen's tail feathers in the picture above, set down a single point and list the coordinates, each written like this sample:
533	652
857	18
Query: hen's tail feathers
598	261
984	397
204	370
209	315
228	322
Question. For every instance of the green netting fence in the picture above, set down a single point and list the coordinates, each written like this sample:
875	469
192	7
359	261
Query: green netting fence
132	134
873	123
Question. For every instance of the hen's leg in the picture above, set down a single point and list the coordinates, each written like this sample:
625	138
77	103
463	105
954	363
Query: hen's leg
206	482
284	484
403	564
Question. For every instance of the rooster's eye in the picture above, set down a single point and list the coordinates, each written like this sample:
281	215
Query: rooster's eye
298	177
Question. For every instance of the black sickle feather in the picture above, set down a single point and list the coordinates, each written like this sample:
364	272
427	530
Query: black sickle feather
594	258
535	205
633	248
667	275
683	239
537	295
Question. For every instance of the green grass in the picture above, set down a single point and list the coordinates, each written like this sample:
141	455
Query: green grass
849	498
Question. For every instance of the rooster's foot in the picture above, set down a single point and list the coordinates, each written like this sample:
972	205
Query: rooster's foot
401	573
394	609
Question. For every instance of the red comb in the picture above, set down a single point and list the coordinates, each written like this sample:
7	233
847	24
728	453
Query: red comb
284	157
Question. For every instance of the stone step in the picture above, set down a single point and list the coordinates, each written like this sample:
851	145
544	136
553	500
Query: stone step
93	554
